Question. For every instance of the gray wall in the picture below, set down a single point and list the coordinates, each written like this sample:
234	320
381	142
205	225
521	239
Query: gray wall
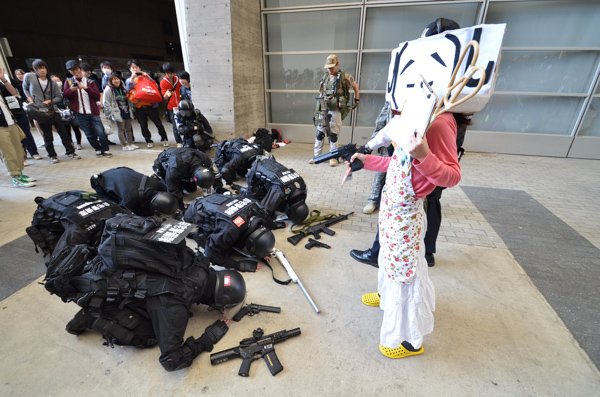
224	50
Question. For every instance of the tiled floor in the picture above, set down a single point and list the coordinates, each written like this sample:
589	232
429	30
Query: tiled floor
467	341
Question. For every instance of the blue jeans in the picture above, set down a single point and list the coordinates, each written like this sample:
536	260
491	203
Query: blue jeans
96	136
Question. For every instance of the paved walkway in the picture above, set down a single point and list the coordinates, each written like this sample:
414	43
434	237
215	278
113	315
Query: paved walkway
495	334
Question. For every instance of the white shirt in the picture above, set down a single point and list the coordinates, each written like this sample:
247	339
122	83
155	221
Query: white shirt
84	98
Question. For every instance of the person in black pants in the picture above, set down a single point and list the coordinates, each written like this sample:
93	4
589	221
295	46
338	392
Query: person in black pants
151	111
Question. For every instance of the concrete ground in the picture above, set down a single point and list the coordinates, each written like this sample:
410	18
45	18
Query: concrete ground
495	333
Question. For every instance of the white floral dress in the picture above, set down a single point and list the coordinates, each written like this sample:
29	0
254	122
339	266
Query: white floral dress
407	293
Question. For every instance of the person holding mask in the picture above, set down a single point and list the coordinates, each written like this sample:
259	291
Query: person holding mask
405	292
169	88
120	109
39	88
84	95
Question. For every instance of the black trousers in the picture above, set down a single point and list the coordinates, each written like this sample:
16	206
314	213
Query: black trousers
62	132
142	114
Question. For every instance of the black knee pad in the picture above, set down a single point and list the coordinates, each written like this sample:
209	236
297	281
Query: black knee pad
333	138
320	135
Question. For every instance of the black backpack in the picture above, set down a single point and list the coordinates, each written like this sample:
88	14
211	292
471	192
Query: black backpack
124	247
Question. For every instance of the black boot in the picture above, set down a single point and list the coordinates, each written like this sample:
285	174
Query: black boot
365	257
430	260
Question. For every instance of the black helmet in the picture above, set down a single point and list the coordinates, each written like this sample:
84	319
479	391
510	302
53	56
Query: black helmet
438	26
186	108
260	242
204	177
297	212
164	203
230	289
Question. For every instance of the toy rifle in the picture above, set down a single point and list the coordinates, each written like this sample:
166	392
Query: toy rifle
323	113
251	349
316	230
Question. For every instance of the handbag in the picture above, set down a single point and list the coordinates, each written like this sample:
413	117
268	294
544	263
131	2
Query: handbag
147	91
40	112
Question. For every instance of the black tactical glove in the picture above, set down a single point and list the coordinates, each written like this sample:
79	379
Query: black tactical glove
279	225
213	334
246	265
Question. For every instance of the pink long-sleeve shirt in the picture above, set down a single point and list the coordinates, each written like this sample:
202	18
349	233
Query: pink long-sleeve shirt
439	168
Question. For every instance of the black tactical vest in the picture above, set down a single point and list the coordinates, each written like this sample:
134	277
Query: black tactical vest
267	172
236	211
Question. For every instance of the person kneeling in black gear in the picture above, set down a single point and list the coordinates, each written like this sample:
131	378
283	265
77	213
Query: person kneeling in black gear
142	195
70	218
235	157
227	222
161	315
277	188
185	168
193	127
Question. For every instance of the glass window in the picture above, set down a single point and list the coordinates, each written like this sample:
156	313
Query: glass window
298	3
313	31
526	113
547	71
374	71
571	23
369	108
591	123
295	108
386	27
303	72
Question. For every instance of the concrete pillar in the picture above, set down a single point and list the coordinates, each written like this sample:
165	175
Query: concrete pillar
222	44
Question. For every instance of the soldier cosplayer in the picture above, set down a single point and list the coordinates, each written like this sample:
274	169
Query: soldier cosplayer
138	291
335	88
225	222
69	218
236	157
137	192
193	127
162	315
277	188
184	169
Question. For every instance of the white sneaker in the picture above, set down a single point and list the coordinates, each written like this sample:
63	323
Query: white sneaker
107	154
79	147
134	147
54	160
165	143
369	208
125	147
180	145
37	157
21	183
98	153
25	163
150	144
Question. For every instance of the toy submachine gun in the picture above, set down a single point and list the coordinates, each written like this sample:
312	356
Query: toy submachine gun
251	349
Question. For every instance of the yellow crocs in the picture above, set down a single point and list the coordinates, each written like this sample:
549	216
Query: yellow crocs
400	352
371	299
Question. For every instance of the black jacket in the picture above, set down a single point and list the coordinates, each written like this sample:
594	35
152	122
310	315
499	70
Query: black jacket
177	165
124	186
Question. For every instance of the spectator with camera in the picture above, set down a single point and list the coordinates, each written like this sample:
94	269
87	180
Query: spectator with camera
83	93
44	94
